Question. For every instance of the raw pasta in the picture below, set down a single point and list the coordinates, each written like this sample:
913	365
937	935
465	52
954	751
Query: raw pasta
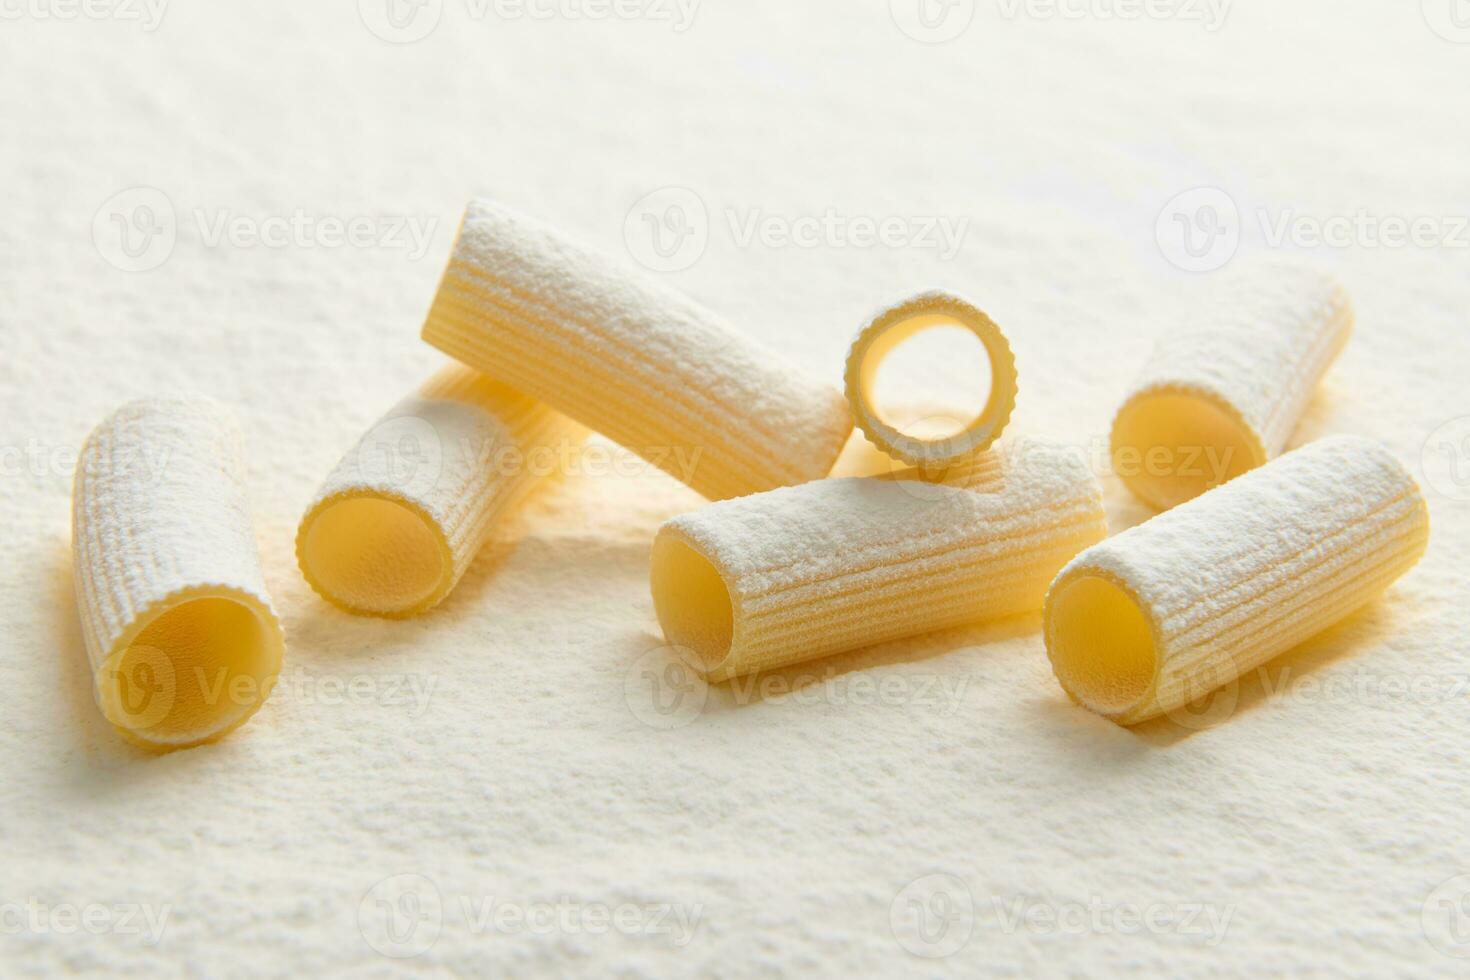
405	512
1222	395
1165	612
889	329
802	572
637	362
183	642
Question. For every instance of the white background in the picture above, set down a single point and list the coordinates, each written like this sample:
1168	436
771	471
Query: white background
1321	812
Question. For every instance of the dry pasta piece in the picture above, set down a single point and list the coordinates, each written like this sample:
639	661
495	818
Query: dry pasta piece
888	330
803	572
183	642
405	512
639	363
1223	395
1168	611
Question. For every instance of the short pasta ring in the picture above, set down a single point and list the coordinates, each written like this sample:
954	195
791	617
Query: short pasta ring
896	324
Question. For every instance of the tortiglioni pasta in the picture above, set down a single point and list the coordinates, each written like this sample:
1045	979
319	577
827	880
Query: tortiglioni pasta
889	329
405	512
802	572
182	638
631	359
1222	394
1165	612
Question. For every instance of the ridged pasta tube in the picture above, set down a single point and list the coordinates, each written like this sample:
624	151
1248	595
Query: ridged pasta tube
1222	395
1174	608
183	642
803	572
888	330
399	520
637	362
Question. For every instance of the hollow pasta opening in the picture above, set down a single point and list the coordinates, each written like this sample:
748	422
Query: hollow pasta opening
692	602
1100	643
375	556
951	352
934	355
1169	447
193	672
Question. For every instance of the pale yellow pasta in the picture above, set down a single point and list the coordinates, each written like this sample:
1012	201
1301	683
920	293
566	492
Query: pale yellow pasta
890	329
631	359
1224	391
183	642
802	572
1166	612
405	512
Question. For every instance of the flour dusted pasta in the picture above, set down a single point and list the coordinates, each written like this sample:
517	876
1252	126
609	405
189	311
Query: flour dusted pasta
1165	612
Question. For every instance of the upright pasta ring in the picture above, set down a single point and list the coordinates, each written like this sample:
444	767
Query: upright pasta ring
896	324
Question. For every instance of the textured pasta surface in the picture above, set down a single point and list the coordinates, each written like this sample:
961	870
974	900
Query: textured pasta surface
888	330
399	520
1222	394
639	363
803	572
179	629
1167	611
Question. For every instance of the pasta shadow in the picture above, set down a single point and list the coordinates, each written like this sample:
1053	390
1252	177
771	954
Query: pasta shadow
1281	680
784	682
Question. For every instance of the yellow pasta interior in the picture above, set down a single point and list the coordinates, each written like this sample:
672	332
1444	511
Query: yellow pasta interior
194	670
1170	446
1101	643
374	555
891	378
692	602
930	443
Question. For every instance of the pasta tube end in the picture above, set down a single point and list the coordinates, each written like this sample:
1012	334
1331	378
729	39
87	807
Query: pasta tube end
1171	444
192	668
889	330
372	554
1102	643
693	602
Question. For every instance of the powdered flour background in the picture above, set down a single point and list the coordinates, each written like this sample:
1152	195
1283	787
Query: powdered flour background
1322	820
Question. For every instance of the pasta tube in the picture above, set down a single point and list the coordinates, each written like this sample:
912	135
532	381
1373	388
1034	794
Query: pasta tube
183	642
640	364
1166	612
1223	396
890	329
405	512
803	572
